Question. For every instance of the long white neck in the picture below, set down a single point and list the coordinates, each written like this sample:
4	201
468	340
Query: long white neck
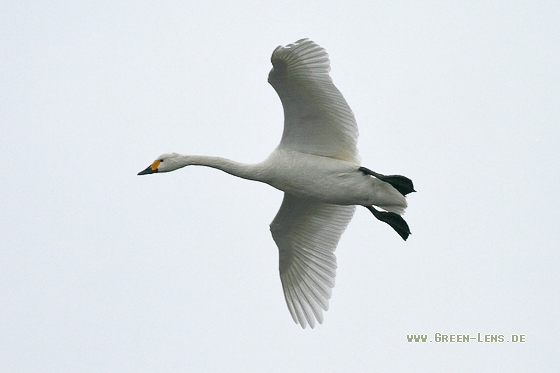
243	170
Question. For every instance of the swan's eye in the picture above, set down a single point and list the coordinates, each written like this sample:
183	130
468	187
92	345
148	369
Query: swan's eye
161	160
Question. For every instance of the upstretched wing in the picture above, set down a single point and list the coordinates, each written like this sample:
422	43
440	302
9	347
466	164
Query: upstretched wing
307	234
317	119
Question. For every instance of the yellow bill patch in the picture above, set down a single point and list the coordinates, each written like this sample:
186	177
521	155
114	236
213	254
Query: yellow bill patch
155	165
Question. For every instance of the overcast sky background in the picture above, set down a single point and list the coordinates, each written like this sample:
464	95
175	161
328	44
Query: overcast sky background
105	271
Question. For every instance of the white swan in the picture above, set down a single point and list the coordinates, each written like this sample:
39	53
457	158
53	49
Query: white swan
316	166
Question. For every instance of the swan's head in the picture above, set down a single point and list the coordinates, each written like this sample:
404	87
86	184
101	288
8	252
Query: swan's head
164	163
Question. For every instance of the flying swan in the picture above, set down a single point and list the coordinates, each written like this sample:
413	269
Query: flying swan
316	166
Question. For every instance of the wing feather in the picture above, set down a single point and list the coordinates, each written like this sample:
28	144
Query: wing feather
307	233
317	118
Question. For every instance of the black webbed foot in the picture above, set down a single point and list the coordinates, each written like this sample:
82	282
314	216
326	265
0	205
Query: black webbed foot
401	183
394	220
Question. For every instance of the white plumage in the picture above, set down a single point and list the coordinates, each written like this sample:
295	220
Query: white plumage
317	119
316	165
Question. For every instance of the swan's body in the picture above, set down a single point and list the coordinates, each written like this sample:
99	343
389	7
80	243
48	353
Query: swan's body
317	178
316	166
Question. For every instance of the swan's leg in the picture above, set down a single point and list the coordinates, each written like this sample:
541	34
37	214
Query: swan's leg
394	220
401	183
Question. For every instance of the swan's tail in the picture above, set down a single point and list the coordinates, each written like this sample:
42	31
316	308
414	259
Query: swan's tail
389	198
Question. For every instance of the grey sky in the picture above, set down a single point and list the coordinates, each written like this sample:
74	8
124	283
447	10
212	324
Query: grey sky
102	270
